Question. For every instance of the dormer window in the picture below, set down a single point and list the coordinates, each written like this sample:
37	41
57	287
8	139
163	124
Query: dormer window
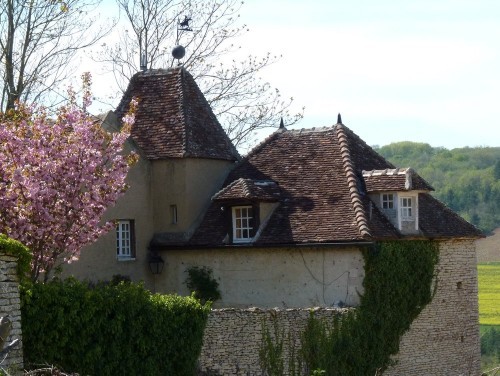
406	208
243	224
387	201
408	214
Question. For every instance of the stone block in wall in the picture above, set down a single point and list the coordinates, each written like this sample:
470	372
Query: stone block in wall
10	304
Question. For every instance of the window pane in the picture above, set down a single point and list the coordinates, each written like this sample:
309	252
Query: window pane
242	220
124	238
406	207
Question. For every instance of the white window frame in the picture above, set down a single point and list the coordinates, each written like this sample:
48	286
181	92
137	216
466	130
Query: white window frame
387	201
124	239
407	208
242	228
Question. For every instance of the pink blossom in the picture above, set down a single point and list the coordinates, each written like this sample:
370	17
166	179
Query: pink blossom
57	178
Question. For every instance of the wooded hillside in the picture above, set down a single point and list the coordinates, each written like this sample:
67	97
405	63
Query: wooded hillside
465	179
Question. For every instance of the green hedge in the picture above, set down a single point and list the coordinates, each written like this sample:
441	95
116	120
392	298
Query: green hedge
14	248
111	329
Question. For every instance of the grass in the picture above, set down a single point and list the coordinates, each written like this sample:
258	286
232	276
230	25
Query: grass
489	293
489	306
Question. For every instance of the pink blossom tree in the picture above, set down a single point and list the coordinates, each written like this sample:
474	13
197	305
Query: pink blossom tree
57	178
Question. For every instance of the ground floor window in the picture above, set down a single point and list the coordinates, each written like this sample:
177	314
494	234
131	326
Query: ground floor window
125	239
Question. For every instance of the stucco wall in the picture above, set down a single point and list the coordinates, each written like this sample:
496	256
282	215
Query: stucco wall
10	305
98	261
154	186
188	183
272	277
443	340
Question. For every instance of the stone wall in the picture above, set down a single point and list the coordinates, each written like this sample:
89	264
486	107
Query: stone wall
233	336
443	340
10	305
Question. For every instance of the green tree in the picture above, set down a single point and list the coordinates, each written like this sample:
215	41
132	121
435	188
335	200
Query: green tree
496	170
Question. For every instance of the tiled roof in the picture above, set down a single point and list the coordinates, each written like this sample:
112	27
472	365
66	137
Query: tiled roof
436	220
319	198
261	190
173	119
394	179
323	175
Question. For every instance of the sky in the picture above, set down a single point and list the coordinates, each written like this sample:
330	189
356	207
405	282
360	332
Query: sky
396	70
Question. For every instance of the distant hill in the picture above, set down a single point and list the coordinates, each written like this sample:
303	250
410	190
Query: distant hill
465	179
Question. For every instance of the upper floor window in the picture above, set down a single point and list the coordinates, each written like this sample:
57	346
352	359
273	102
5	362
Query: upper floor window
243	224
125	239
406	208
387	201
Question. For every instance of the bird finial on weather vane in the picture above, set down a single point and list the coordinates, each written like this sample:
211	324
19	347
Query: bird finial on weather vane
184	25
179	51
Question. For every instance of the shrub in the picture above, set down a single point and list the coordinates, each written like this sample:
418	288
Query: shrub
14	248
201	282
111	329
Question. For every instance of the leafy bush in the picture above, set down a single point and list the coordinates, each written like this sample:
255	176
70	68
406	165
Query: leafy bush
111	329
201	282
14	248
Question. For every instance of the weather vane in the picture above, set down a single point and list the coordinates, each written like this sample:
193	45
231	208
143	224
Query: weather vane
179	51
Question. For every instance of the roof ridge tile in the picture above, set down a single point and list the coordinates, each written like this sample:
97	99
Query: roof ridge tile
356	201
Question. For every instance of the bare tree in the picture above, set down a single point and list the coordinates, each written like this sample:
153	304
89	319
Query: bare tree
243	102
38	39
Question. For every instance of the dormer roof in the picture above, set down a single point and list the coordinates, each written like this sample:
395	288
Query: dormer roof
173	119
248	189
394	179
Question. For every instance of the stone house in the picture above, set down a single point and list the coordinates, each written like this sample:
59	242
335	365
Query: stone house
283	226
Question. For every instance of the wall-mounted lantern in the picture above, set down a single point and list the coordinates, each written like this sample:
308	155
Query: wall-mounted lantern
156	263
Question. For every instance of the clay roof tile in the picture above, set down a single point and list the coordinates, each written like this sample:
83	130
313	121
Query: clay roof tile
321	175
173	119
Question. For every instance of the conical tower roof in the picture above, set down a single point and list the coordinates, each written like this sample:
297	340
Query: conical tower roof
173	119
